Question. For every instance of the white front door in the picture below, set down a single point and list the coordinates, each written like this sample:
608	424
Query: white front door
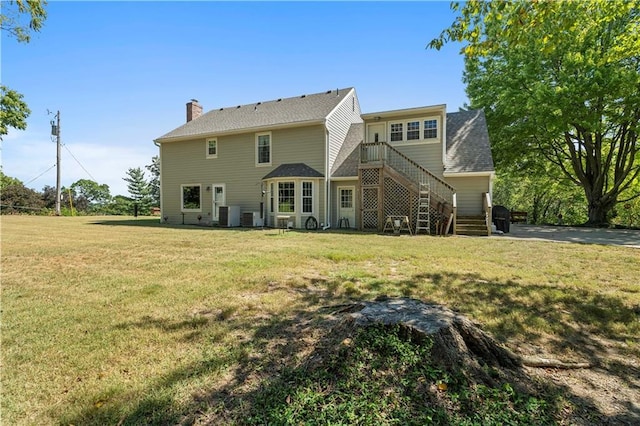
376	132
218	200
346	206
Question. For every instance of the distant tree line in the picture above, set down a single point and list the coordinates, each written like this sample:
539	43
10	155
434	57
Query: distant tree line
84	197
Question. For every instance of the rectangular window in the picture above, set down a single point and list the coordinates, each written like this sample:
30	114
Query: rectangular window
307	197
346	199
191	198
271	196
286	197
419	130
396	132
413	130
263	149
430	129
212	148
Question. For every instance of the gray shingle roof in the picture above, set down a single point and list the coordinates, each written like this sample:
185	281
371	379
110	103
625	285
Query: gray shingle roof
468	149
299	109
346	164
294	170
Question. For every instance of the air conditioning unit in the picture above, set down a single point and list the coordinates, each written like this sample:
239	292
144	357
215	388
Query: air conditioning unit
229	216
252	220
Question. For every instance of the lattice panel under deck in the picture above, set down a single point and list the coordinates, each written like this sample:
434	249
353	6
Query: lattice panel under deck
397	199
370	220
370	197
370	177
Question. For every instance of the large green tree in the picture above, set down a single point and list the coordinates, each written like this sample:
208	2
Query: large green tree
138	188
154	182
19	18
90	196
559	83
17	198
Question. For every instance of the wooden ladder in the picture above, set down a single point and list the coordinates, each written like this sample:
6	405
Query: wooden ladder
424	201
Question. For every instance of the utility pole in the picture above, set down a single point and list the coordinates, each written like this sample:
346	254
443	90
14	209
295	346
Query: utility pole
55	131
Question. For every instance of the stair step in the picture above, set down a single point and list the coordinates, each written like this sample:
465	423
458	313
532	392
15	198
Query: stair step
471	226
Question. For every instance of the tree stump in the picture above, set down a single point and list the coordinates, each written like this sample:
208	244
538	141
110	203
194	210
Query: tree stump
457	342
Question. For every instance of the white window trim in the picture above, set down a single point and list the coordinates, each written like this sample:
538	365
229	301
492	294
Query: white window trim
258	164
421	140
295	189
207	148
302	197
182	198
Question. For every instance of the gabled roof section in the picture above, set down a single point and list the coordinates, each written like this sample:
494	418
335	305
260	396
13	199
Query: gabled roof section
294	170
348	158
468	149
304	109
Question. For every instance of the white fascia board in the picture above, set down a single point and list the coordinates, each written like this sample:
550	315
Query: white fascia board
468	174
407	111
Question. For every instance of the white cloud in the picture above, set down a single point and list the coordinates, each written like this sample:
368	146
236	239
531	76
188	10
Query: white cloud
30	155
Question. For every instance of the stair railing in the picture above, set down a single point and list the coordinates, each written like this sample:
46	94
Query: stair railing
373	152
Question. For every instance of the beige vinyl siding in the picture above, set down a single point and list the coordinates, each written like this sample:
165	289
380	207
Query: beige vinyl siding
339	122
426	154
469	193
235	166
356	201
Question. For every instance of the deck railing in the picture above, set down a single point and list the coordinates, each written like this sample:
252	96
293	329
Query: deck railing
382	152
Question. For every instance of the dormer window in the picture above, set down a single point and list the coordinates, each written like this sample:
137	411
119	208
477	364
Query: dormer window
430	129
421	130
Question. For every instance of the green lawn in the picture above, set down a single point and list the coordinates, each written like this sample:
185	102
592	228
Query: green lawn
114	321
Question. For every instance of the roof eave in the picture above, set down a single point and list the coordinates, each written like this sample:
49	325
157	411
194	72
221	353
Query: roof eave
491	173
239	131
402	112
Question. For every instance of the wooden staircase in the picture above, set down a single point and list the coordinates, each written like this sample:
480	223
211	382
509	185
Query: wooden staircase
472	226
392	184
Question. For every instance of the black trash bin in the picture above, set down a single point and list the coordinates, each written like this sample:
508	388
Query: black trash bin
501	218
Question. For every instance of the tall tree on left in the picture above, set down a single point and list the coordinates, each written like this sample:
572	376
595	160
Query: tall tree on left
19	18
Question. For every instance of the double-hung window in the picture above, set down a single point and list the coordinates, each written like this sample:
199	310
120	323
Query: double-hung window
418	130
307	197
286	197
396	132
413	130
430	129
212	148
263	149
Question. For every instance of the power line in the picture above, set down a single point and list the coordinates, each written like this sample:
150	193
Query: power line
79	163
40	174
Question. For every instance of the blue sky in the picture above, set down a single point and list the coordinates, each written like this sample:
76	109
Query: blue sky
120	73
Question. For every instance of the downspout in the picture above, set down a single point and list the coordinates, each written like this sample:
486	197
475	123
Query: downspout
444	139
327	180
160	179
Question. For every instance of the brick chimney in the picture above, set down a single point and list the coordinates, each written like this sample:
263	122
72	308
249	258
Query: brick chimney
194	110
